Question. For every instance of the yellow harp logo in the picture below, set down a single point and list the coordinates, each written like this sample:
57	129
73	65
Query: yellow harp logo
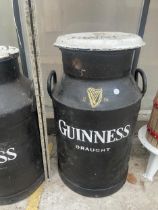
95	96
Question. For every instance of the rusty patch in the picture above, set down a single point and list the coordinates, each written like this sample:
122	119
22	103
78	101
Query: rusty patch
76	63
131	178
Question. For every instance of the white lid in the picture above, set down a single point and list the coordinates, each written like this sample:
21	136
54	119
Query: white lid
6	52
100	41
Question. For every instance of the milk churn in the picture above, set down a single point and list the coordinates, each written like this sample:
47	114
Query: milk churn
21	167
96	106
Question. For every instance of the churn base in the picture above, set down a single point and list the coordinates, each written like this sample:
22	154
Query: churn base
22	195
91	192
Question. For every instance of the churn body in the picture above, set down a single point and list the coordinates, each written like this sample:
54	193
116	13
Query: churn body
21	166
96	106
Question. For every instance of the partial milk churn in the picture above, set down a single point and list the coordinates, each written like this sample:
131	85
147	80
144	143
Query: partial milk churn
96	105
21	166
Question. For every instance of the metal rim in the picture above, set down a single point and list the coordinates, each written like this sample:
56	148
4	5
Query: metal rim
7	52
100	41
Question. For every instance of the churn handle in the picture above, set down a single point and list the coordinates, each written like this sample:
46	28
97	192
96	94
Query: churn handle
144	80
52	77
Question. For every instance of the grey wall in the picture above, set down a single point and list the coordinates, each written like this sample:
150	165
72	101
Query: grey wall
7	27
149	55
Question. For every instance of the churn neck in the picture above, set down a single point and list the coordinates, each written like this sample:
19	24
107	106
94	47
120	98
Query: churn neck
98	55
9	66
97	64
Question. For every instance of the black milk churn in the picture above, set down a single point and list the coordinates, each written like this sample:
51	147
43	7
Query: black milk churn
21	166
96	106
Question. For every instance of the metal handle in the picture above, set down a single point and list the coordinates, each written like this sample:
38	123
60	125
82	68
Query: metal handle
144	80
52	79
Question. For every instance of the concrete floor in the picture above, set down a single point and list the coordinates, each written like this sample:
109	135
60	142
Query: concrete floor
56	196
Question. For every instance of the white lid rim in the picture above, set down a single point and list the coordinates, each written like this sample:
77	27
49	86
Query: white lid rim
7	52
103	49
109	41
